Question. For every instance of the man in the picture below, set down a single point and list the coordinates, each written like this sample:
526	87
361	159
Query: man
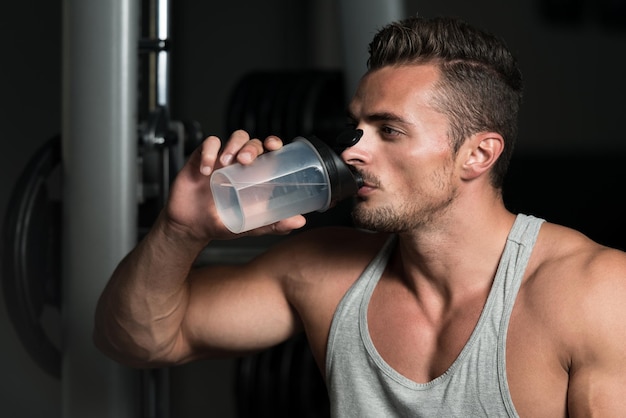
454	306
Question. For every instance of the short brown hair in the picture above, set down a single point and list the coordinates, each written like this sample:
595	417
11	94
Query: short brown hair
481	85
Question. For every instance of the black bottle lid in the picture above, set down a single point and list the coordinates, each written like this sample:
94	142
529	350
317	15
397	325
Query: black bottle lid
345	181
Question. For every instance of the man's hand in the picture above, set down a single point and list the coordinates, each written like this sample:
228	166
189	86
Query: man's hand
191	211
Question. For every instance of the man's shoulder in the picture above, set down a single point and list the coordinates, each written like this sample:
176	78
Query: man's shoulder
563	253
575	297
317	254
573	280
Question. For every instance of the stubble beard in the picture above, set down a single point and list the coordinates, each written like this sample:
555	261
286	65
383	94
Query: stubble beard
416	208
394	218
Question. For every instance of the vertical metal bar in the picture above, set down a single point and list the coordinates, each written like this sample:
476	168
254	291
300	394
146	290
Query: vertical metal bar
162	32
360	19
99	148
155	382
163	56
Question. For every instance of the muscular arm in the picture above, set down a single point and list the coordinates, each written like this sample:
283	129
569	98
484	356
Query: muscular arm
156	310
140	311
597	385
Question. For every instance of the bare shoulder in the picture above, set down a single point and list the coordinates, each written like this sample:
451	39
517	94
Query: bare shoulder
574	295
317	267
572	288
569	257
582	273
568	325
324	261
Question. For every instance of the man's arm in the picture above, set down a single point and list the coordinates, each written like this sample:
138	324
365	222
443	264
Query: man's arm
140	312
597	385
156	310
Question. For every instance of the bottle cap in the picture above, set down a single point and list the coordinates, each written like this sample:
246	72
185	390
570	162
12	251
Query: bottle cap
345	181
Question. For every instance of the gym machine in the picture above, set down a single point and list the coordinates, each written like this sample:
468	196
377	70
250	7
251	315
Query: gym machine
115	174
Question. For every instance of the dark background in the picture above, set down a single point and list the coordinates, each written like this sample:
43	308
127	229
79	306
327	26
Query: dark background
568	166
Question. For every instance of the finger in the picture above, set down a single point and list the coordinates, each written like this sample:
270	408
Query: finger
208	154
252	149
272	143
236	141
285	226
255	147
282	227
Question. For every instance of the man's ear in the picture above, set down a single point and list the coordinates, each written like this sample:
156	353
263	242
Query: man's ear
484	150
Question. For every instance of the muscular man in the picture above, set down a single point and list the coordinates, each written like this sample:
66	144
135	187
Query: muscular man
441	303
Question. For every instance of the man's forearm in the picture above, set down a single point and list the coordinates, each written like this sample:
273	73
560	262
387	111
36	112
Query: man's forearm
140	312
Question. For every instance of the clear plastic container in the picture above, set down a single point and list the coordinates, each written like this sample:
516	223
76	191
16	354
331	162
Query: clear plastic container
298	178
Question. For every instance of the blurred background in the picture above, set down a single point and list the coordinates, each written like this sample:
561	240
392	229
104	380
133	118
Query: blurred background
568	166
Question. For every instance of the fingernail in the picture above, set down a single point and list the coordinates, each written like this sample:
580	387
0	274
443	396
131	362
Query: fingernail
206	170
245	157
226	159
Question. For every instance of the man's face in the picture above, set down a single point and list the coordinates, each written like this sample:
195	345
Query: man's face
404	155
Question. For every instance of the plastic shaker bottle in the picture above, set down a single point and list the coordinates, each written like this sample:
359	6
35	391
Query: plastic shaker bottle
303	176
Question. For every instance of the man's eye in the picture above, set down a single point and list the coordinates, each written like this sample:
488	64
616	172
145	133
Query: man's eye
389	131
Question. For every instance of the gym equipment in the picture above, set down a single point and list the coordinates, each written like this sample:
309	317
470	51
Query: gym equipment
289	104
100	136
100	203
31	255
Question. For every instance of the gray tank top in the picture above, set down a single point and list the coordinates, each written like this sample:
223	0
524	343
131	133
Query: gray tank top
361	384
